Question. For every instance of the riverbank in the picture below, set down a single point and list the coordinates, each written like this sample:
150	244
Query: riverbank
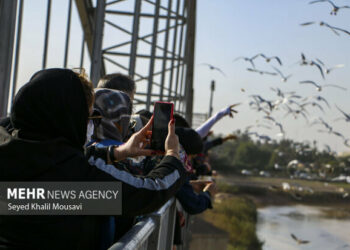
238	217
239	198
282	191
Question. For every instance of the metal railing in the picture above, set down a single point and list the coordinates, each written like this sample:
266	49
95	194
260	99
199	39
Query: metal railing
154	232
153	41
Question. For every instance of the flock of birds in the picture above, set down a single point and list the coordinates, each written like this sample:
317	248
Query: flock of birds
291	103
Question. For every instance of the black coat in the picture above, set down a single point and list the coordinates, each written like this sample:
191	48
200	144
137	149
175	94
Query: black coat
49	117
25	160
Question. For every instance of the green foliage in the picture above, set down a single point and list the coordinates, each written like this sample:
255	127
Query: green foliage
244	153
238	217
250	156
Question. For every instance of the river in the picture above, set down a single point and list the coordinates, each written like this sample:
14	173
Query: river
277	223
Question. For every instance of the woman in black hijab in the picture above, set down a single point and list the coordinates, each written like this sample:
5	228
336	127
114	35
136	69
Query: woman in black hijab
49	116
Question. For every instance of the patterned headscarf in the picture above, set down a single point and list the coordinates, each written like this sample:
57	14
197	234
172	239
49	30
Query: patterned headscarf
115	108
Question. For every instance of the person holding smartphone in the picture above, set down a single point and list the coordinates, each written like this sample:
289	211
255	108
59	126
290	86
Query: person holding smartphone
49	116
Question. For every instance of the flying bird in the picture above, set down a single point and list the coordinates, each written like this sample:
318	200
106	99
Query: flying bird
303	60
280	127
296	112
299	241
268	59
248	59
335	7
212	67
338	134
313	63
325	124
319	87
346	116
328	70
320	98
333	28
261	72
314	104
283	78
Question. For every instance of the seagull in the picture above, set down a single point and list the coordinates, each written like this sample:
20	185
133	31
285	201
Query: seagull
299	241
248	59
347	142
212	67
258	99
313	63
258	107
278	92
265	137
303	60
328	148
321	121
280	127
263	126
313	104
319	87
346	116
261	72
267	117
335	8
268	59
296	112
282	94
338	134
334	29
328	70
320	98
284	78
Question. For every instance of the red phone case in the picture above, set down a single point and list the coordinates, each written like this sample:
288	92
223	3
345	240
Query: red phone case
171	114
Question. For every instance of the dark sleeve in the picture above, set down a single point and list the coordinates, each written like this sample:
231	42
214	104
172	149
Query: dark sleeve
213	143
96	152
142	194
6	123
191	202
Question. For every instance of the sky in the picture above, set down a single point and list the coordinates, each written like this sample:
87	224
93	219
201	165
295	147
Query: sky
227	29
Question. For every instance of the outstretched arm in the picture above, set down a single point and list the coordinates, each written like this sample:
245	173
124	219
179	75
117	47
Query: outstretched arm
204	129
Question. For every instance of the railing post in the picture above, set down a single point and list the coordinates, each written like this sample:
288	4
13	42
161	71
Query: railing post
96	59
153	55
135	37
162	237
189	56
8	9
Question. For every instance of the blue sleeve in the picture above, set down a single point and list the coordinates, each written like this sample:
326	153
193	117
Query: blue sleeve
192	202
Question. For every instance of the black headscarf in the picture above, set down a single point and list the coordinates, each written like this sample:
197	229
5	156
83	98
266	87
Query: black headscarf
51	105
190	140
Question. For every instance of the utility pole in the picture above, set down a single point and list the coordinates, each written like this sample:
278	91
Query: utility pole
212	89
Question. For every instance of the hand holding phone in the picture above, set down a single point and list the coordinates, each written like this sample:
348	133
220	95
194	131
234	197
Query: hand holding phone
172	146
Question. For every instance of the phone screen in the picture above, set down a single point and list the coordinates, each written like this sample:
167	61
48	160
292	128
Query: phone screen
163	112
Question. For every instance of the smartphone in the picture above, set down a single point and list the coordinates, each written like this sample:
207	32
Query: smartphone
163	113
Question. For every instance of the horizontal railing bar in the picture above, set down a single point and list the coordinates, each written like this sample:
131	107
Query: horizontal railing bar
142	37
115	1
164	8
136	236
141	55
126	13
